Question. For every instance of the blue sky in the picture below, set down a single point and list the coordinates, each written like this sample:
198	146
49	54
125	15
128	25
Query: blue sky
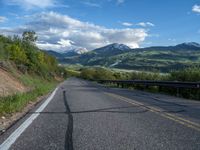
67	24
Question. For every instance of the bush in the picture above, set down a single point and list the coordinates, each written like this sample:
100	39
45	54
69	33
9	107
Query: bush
187	74
17	54
88	73
148	76
97	74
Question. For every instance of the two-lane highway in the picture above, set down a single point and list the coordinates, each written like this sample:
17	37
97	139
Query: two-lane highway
87	116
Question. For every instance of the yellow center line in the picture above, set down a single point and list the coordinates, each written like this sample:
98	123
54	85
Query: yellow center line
175	118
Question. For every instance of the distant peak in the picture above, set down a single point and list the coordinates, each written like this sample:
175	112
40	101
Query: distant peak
190	44
119	46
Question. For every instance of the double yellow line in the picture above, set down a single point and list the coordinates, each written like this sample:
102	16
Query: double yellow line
159	111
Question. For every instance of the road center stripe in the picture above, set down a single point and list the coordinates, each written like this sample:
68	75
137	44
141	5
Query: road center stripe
175	118
14	136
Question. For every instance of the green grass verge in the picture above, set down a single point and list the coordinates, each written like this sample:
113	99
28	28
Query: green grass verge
16	103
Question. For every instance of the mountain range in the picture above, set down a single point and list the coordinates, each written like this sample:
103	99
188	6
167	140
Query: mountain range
157	58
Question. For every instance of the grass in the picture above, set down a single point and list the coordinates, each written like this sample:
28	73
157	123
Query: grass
16	103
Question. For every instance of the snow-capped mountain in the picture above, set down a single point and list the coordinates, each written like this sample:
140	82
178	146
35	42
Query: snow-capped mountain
112	49
114	46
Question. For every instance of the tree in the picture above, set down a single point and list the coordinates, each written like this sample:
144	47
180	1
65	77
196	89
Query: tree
29	36
17	54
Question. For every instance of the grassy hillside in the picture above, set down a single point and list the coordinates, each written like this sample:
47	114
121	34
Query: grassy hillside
38	87
36	70
163	61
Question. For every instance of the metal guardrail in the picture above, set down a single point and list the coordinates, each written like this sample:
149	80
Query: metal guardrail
173	84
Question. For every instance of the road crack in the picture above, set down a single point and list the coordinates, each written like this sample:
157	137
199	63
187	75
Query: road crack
69	132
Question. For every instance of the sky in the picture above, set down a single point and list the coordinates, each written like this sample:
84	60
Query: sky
62	25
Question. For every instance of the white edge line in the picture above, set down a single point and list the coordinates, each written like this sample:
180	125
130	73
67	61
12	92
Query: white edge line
14	136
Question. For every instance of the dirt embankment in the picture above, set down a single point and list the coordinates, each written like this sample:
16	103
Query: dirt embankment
9	85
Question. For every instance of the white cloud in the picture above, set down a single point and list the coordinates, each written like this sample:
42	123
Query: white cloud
146	24
87	3
49	46
196	8
2	19
65	43
172	39
120	1
30	4
128	24
61	32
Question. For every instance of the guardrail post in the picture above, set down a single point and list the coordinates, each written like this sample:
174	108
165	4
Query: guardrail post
159	88
198	92
117	84
177	91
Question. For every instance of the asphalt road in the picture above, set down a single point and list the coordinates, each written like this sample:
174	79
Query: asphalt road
81	115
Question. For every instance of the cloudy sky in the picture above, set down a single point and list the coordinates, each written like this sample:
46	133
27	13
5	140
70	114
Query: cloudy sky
67	24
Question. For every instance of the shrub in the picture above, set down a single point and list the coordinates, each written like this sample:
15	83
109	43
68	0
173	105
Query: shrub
187	74
97	74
